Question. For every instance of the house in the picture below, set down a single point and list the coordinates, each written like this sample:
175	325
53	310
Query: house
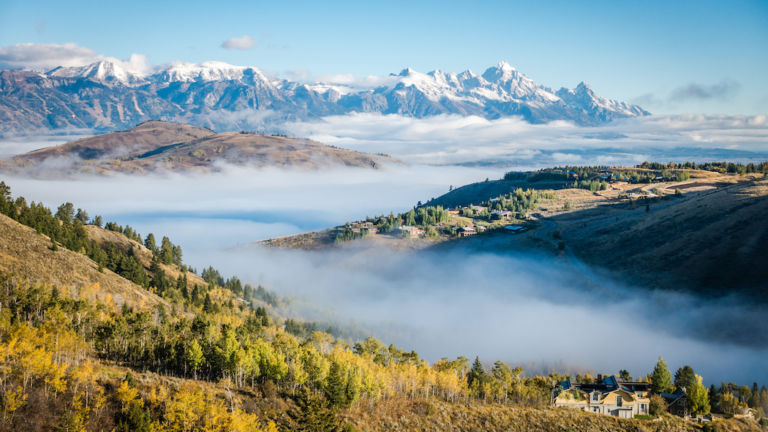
677	403
411	232
478	208
371	229
501	214
610	396
465	231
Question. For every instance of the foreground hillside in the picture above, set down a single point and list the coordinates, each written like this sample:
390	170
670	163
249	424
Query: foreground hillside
156	145
28	256
214	359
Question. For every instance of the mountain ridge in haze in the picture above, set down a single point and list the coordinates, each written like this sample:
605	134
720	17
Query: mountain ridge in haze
106	96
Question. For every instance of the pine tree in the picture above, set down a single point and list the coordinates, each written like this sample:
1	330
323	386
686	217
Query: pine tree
661	379
336	387
685	378
150	243
476	377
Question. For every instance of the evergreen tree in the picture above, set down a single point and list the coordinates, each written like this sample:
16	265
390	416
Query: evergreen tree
336	387
754	399
313	413
661	379
82	216
66	212
166	251
476	377
149	243
685	378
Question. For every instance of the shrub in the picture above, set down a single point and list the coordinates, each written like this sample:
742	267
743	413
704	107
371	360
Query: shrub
657	406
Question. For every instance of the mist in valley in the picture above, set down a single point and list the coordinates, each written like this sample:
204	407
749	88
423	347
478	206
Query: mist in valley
522	307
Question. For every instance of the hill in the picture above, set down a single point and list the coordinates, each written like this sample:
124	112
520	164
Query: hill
713	242
694	230
156	145
27	255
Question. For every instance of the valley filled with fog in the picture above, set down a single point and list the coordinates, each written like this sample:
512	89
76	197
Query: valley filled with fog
522	308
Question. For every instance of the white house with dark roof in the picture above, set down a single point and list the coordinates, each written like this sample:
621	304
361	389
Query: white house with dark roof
610	397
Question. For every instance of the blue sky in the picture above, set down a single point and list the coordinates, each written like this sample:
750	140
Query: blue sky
671	57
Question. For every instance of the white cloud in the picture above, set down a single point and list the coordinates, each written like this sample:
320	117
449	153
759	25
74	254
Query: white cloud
243	42
38	56
43	57
453	139
136	63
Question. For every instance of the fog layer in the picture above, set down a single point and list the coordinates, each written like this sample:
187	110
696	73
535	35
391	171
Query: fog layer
521	308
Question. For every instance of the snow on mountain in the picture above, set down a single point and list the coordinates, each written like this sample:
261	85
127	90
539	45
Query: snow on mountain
109	70
207	71
212	91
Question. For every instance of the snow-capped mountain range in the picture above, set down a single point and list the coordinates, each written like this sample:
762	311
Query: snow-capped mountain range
106	96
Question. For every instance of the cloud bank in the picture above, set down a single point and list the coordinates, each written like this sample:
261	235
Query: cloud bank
452	139
38	56
44	57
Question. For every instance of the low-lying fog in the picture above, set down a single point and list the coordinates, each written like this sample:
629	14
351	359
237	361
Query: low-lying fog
521	308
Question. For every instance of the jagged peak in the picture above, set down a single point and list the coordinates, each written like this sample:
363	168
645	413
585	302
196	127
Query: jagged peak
503	71
108	69
208	71
504	66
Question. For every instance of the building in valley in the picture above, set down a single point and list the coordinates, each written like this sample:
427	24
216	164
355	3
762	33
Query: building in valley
609	396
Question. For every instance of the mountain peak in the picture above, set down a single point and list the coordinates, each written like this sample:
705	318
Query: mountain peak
206	71
103	70
500	73
506	67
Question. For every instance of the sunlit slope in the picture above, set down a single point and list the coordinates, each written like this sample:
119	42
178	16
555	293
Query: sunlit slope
29	255
713	242
145	137
155	146
104	237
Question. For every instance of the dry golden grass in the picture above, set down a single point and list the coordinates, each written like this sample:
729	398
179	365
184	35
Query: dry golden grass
400	414
143	255
159	145
28	255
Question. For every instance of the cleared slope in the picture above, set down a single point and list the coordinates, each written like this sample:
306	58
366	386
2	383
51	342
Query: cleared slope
28	255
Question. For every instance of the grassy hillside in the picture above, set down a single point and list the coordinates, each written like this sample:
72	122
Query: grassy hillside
159	145
143	138
28	255
713	242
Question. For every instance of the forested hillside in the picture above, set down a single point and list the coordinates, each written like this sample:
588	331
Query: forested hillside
203	352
